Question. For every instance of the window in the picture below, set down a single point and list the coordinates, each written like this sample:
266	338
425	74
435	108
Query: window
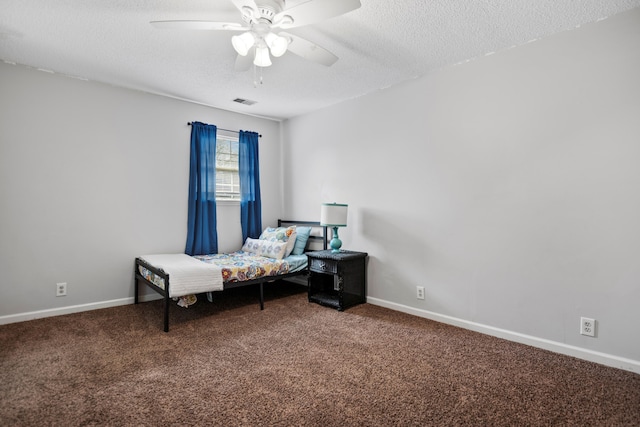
227	177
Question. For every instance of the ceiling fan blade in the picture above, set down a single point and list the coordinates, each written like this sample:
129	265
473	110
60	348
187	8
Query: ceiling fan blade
243	63
199	25
314	11
308	50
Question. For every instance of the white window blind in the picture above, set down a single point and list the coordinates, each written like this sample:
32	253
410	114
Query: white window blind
227	177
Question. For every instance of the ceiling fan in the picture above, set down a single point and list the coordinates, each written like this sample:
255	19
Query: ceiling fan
259	41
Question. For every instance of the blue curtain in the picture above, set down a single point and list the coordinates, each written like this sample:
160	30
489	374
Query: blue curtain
249	170
202	235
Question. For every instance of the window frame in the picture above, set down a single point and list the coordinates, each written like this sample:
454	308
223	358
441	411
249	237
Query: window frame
232	139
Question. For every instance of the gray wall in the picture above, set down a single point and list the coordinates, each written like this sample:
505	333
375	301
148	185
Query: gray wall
92	176
507	186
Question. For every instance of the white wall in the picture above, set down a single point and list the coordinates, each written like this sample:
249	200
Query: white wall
92	176
507	186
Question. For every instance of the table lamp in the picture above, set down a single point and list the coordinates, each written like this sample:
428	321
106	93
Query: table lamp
334	215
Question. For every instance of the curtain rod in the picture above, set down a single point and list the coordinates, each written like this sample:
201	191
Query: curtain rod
227	130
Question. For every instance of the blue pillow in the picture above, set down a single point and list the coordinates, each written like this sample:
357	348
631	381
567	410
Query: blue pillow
301	240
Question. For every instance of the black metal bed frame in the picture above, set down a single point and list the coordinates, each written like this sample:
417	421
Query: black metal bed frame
230	285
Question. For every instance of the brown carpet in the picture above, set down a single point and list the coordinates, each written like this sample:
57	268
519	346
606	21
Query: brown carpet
293	364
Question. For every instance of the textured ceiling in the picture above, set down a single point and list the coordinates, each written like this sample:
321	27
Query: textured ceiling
381	44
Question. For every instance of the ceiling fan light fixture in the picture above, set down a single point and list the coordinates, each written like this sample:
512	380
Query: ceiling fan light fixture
243	43
262	58
277	44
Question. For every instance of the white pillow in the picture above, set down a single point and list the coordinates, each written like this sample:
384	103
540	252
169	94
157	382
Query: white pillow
281	234
275	250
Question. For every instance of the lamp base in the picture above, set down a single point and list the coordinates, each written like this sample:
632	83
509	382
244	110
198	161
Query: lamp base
335	243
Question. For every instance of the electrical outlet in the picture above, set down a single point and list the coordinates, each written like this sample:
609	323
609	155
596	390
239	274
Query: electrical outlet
420	292
61	289
587	327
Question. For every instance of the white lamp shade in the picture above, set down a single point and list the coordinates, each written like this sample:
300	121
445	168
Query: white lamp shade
262	57
277	44
333	215
243	43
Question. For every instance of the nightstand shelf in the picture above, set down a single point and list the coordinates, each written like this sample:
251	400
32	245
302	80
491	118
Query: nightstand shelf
325	298
337	280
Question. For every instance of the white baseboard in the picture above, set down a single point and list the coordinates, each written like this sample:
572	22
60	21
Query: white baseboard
22	317
557	347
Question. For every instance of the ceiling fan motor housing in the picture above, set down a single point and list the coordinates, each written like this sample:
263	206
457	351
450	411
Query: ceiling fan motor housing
267	10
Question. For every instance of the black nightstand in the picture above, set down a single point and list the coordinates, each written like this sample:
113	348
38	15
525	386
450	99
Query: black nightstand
337	280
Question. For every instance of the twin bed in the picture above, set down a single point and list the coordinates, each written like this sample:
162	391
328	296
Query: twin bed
278	254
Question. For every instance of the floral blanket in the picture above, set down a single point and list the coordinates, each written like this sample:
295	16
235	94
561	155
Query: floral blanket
240	266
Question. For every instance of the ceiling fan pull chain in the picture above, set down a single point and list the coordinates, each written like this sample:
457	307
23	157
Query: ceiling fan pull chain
255	78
